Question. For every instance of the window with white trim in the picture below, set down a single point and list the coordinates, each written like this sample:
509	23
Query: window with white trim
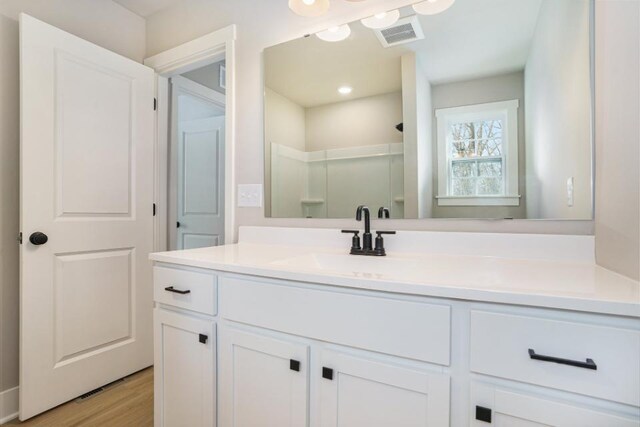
478	155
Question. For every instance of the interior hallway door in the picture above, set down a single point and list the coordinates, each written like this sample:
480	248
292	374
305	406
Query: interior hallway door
201	183
86	178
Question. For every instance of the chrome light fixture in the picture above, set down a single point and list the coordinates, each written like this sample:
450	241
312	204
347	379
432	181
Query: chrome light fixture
335	34
432	7
381	20
309	8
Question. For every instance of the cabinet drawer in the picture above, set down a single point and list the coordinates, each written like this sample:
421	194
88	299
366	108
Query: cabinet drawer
543	352
407	329
190	290
512	408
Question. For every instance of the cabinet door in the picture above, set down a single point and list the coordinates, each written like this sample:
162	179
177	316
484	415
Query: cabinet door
184	373
357	391
510	408
263	380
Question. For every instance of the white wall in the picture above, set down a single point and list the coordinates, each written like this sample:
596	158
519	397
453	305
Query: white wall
100	21
365	121
558	112
618	136
490	89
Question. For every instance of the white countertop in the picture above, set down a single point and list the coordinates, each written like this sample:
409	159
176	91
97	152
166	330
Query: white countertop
569	285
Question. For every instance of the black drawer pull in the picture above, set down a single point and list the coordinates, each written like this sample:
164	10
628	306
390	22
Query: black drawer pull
177	291
589	364
294	365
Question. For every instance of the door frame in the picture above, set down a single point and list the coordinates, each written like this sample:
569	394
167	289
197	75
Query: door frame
189	56
182	85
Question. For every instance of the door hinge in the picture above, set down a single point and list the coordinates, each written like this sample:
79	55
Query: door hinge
20	238
154	209
155	104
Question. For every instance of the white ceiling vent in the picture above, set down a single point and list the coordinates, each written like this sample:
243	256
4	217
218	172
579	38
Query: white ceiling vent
405	30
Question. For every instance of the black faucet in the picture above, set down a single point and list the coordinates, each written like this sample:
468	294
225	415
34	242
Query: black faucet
383	213
366	237
367	248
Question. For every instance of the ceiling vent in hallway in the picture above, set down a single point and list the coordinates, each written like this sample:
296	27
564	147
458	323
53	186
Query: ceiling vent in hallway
405	30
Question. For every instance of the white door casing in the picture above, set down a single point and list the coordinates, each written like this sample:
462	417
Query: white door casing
87	128
189	56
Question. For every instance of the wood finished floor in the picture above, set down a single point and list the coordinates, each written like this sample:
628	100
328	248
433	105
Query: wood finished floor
129	403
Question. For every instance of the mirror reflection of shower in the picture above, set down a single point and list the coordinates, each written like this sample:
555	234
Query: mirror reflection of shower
484	112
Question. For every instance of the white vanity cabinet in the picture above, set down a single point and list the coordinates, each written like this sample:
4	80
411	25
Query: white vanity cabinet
184	347
185	377
264	381
297	354
359	391
501	406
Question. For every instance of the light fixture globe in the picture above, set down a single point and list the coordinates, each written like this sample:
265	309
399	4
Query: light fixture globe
335	34
309	8
381	20
432	7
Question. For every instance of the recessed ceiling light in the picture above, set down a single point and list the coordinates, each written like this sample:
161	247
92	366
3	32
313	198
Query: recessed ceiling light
381	20
432	7
345	90
335	34
309	8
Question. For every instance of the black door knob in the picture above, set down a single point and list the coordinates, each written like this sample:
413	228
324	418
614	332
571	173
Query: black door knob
38	238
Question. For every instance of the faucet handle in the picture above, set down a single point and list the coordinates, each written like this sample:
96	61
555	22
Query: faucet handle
379	249
351	231
355	241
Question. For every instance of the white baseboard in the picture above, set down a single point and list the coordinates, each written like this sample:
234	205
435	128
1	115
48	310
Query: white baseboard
8	405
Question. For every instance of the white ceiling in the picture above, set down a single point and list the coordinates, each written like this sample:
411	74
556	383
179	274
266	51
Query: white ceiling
472	39
146	8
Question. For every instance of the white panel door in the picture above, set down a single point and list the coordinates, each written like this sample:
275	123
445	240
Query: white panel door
356	391
263	381
508	408
185	374
86	177
201	183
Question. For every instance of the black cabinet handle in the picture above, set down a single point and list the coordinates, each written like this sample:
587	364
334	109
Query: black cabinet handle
203	338
483	414
589	364
178	224
327	373
177	291
294	365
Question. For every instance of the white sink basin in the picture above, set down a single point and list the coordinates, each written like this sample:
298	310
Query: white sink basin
362	266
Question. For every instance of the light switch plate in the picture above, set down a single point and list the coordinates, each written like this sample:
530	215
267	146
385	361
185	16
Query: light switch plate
249	195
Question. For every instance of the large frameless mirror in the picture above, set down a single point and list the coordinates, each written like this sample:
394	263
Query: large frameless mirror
483	110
